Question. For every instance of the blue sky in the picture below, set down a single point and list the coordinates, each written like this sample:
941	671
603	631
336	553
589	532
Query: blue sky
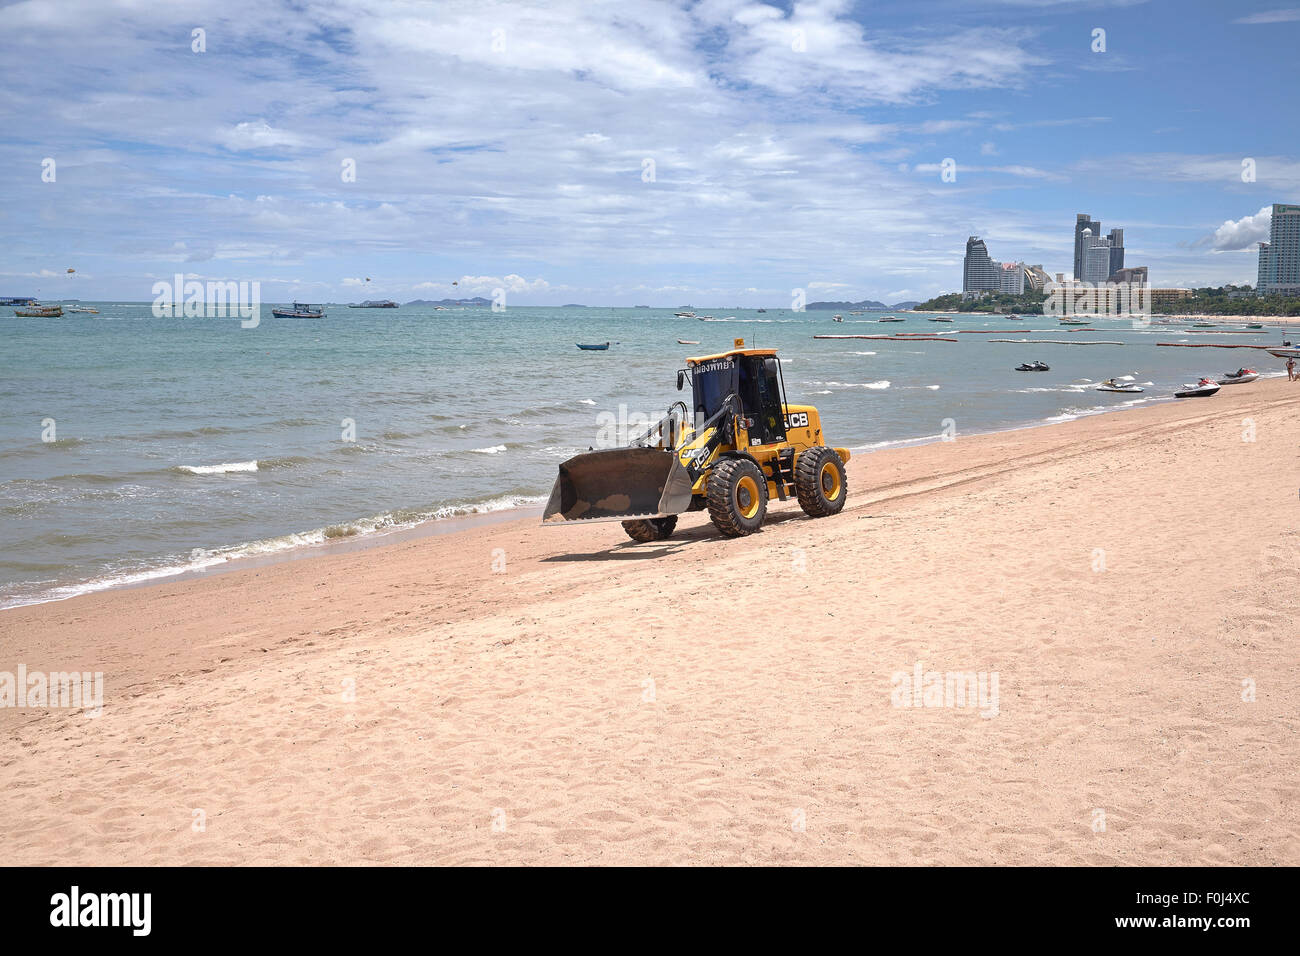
506	145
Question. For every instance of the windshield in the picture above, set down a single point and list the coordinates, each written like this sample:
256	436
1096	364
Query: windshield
712	381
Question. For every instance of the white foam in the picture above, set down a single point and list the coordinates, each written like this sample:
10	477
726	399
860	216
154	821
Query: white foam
493	450
222	469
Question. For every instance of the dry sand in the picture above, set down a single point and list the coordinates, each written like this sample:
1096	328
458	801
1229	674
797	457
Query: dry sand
723	701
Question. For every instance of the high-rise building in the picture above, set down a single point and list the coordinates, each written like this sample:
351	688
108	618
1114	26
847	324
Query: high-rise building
1096	258
1116	237
1134	275
1082	222
1279	258
1036	278
979	272
1011	277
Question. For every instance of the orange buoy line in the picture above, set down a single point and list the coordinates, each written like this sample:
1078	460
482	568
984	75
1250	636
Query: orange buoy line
889	338
1214	345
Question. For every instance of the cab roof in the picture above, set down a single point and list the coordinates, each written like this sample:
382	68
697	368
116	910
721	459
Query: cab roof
729	354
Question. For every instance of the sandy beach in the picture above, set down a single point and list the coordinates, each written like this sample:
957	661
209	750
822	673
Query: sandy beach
1125	585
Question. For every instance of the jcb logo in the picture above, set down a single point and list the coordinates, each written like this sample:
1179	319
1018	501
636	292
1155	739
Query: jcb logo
796	420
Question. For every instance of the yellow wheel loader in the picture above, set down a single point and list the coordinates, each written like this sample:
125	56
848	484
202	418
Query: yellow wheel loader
737	445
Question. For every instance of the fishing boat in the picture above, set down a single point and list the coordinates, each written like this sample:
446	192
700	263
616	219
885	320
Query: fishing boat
40	312
1202	389
1114	385
375	304
594	348
300	310
686	342
1239	377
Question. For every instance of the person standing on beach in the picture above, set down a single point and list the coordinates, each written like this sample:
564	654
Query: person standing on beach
1290	369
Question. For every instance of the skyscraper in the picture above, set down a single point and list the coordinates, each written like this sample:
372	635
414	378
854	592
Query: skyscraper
1096	257
1116	237
1279	258
979	272
1082	222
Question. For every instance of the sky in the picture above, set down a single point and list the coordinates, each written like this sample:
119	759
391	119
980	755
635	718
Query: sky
625	152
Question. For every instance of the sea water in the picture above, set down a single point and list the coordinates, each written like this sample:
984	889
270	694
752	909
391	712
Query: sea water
133	447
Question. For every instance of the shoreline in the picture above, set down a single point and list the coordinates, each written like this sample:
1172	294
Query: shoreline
450	524
614	702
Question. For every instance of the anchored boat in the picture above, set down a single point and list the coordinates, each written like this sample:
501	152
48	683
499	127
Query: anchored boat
300	310
594	348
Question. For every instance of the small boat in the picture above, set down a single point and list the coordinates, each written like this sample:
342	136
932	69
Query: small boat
859	312
837	318
375	304
690	315
300	310
686	342
1073	322
1239	377
1114	385
83	308
1254	325
1034	367
762	310
1202	389
1011	316
40	312
1204	325
890	318
705	318
940	319
1285	353
594	348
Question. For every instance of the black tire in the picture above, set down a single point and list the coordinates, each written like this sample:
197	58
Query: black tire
820	482
737	493
650	529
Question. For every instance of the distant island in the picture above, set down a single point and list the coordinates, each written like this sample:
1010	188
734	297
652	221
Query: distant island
865	304
477	300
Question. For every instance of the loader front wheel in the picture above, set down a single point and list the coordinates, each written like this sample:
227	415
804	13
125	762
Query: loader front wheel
820	482
737	493
650	529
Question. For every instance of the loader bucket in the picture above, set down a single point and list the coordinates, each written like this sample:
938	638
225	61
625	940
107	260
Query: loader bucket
618	484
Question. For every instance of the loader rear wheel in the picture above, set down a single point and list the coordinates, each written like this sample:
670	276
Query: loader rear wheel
820	482
737	493
650	529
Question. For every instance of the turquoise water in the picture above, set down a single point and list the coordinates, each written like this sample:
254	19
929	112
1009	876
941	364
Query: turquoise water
184	443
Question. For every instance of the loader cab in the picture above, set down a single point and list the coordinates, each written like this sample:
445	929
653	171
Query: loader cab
754	375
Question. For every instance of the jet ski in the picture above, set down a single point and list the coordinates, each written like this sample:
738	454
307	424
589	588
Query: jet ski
1202	389
1239	377
1034	367
1112	385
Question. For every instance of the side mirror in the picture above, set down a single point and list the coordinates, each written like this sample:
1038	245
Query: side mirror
681	379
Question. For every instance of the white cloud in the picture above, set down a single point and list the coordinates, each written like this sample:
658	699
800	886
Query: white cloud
1272	16
1242	233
